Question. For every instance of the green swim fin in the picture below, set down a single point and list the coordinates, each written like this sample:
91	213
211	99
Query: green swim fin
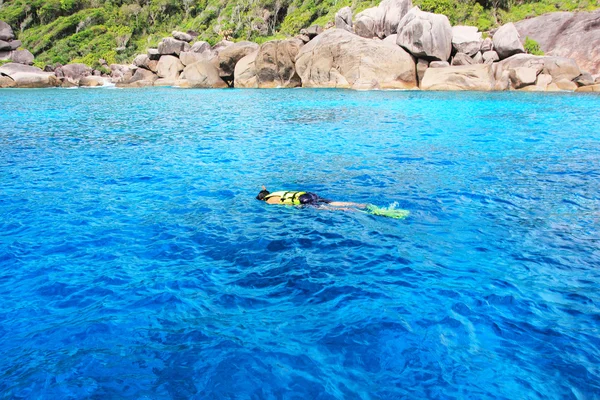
390	212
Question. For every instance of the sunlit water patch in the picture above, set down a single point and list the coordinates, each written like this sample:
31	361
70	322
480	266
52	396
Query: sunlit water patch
136	263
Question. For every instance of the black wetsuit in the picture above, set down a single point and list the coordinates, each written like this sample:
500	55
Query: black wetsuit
312	199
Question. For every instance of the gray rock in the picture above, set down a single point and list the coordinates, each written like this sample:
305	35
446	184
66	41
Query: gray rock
121	73
223	44
391	13
478	58
190	57
439	64
22	57
144	61
462	59
338	58
557	67
507	41
392	39
5	46
74	72
273	65
171	46
6	55
426	35
490	57
593	88
200	47
312	31
6	32
141	60
343	19
383	20
91	81
366	23
153	54
182	36
26	76
15	44
245	72
567	34
487	45
230	55
6	82
466	39
422	66
203	75
585	79
305	39
522	76
466	77
142	75
169	67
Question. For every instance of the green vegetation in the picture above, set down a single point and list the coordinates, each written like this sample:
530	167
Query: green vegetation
86	30
532	47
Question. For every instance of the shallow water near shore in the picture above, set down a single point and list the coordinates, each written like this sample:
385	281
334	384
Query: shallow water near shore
136	263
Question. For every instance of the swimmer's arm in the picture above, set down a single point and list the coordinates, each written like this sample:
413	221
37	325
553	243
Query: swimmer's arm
274	200
346	204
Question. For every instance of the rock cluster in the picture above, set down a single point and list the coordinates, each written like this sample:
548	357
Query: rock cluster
391	46
10	47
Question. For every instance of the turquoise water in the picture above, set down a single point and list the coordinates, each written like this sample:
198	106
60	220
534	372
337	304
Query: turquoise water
136	263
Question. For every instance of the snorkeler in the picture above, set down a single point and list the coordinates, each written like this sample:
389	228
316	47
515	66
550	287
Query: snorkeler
296	198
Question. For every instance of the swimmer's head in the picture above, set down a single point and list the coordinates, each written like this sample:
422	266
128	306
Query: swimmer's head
262	194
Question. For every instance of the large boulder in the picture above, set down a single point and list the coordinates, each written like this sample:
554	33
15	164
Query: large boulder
203	75
184	37
5	46
26	76
22	57
589	89
144	61
121	73
465	77
171	46
343	19
337	58
566	34
6	82
507	41
466	39
169	67
142	77
190	57
73	72
383	20
6	55
230	55
91	81
522	76
6	32
15	44
490	57
558	67
273	65
462	59
426	35
200	47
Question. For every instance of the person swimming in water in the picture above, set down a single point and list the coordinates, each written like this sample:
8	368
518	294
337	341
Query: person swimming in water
299	198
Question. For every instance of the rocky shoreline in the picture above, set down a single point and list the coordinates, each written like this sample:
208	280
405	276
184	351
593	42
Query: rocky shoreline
391	46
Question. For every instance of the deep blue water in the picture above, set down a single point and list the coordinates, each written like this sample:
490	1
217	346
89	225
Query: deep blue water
136	263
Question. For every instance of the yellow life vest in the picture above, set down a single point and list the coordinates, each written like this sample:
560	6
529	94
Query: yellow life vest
287	198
